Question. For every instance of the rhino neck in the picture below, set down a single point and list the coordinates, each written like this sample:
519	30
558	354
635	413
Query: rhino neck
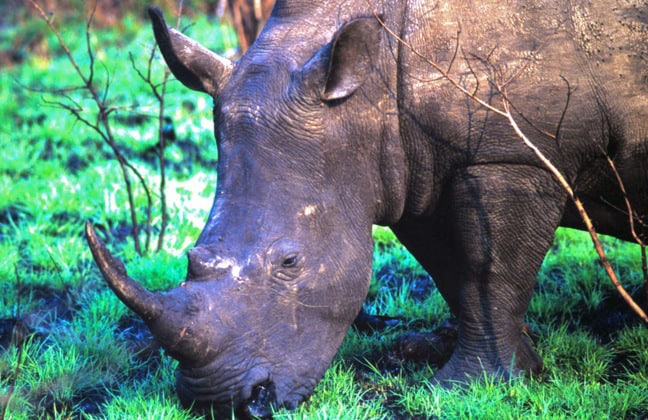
391	169
383	160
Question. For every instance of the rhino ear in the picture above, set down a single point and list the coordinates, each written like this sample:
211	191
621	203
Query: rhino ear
191	63
347	61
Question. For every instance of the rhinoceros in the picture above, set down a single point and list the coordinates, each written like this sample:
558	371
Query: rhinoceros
349	113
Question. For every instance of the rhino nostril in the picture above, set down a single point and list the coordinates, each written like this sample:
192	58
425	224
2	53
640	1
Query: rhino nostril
262	401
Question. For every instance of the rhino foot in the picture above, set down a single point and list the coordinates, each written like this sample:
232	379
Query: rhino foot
465	366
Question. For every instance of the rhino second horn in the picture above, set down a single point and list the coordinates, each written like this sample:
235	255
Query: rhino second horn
144	303
195	66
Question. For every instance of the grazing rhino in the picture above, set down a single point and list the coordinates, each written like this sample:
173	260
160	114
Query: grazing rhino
336	119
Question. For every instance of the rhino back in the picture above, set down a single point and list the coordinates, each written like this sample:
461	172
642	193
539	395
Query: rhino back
613	38
575	73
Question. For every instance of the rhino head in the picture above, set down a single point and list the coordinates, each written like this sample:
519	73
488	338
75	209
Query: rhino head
283	264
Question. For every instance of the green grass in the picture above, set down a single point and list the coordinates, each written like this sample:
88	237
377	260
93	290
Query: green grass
89	357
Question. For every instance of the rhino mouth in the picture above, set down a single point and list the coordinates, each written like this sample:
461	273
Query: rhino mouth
218	396
261	403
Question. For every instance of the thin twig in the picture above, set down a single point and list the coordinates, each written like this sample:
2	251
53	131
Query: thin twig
180	6
632	216
161	123
438	68
159	92
584	215
162	137
564	111
456	50
631	213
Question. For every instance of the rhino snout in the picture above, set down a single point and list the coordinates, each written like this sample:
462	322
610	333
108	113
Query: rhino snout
262	402
218	393
205	264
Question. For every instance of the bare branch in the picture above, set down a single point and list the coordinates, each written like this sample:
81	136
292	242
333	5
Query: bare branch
632	215
102	125
62	43
159	91
180	6
89	44
584	215
456	50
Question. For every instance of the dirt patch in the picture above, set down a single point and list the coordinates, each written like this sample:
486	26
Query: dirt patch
13	332
434	348
613	315
419	288
90	400
139	339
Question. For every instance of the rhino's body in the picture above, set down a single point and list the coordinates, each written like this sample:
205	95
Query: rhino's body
329	123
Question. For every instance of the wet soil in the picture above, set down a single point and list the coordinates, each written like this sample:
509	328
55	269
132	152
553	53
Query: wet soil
612	315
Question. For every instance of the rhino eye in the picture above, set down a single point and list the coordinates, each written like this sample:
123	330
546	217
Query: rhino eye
289	261
284	261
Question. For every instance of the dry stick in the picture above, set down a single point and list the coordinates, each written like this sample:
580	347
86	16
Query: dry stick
160	96
557	174
631	219
581	210
161	99
108	138
104	112
631	214
148	79
163	207
180	6
444	74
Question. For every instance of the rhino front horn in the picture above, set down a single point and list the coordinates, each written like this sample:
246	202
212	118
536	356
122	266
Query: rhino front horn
146	304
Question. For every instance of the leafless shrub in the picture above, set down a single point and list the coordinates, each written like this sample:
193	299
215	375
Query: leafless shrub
100	122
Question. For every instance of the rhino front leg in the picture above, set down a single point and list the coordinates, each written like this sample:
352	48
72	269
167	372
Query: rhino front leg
503	221
432	242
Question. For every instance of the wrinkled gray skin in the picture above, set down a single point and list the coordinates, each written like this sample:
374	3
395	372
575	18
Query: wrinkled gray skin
328	125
